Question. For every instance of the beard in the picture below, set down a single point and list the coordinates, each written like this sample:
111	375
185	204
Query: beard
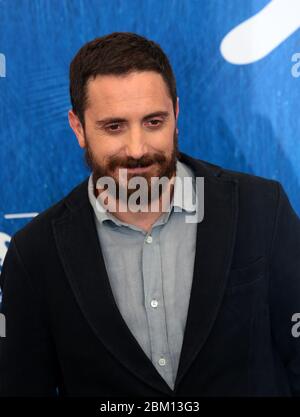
162	166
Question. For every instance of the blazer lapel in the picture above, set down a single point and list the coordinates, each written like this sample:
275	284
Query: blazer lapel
214	249
79	249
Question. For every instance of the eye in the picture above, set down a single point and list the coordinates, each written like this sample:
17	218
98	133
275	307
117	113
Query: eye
113	127
155	122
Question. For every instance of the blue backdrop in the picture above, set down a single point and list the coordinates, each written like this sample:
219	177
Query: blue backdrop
243	117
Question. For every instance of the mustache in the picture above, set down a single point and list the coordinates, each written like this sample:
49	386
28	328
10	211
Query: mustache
142	162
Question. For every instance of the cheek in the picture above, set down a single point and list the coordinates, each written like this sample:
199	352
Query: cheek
162	141
102	148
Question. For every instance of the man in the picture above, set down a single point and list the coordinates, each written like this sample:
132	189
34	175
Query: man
103	302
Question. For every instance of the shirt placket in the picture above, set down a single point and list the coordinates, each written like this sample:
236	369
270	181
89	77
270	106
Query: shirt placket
155	306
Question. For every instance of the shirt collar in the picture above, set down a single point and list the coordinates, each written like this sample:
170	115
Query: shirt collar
186	204
101	215
178	202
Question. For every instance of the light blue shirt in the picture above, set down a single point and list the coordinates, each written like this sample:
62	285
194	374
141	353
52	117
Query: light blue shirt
151	275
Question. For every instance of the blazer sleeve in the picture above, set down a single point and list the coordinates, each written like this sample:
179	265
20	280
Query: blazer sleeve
285	287
27	359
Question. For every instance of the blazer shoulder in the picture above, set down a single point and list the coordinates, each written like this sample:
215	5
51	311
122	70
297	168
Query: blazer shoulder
255	190
211	170
245	177
39	228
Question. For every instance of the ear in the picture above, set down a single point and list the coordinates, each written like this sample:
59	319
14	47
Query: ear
77	128
177	109
177	113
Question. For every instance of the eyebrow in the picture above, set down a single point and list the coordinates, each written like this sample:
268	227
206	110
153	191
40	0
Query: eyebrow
107	120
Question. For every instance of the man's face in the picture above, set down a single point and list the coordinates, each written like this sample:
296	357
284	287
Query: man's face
130	123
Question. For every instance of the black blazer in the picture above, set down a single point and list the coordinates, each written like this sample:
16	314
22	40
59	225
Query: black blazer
63	327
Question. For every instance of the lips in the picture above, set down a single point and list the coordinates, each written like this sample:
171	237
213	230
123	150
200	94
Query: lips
140	169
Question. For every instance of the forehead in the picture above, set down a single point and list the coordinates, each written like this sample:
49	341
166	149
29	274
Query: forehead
131	92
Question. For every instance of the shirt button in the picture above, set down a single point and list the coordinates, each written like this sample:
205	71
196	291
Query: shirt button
162	361
149	239
154	303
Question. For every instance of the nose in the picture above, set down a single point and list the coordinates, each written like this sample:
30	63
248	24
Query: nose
136	145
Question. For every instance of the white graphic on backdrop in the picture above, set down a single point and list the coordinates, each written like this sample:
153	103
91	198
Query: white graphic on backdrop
256	37
2	66
4	241
20	215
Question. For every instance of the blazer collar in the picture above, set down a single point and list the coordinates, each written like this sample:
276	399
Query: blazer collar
80	252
